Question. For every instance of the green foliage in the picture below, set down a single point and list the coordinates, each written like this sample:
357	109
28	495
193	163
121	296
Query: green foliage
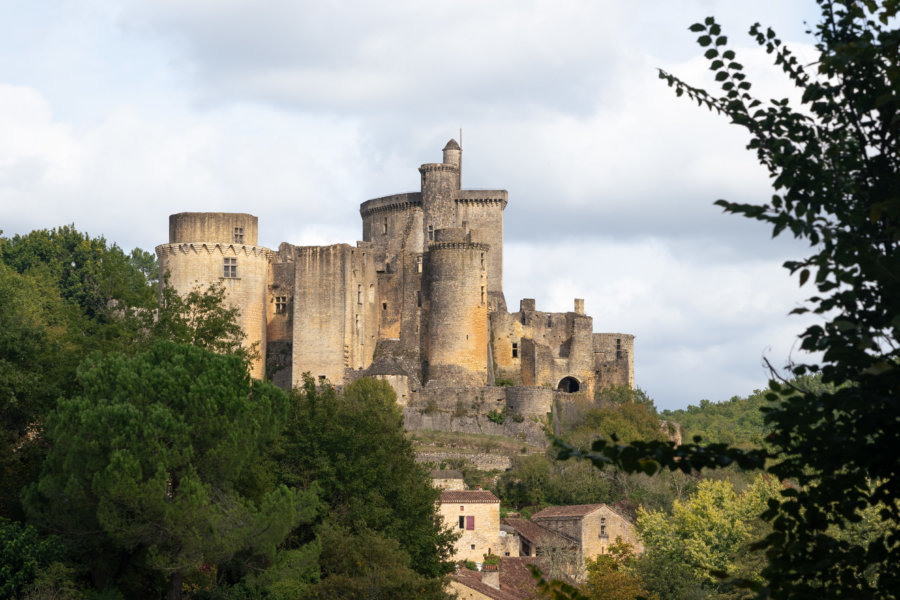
23	553
497	416
87	272
712	529
368	565
151	458
353	446
612	576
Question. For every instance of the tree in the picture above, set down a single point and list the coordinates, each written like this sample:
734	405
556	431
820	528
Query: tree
612	576
354	448
712	530
834	164
150	462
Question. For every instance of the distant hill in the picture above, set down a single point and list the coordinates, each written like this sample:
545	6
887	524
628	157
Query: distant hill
738	421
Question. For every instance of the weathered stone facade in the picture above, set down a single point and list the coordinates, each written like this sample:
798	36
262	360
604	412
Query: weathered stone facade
475	515
418	302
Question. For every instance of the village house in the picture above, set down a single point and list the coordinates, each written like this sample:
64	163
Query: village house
475	514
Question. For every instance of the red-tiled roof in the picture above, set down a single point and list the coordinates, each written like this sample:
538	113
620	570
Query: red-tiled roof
468	497
516	582
566	512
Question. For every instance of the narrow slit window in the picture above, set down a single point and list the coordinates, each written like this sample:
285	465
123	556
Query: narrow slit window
419	299
515	350
238	235
431	233
230	268
482	295
359	294
384	227
384	306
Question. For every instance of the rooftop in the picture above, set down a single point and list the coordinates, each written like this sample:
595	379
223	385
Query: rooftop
566	512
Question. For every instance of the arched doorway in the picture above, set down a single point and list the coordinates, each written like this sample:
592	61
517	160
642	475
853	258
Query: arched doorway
568	385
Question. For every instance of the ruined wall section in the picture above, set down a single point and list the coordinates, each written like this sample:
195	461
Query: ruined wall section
455	302
335	324
539	348
613	359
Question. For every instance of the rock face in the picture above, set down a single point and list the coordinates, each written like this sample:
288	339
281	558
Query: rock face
418	302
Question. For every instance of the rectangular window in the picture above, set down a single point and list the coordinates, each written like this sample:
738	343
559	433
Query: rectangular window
230	268
470	523
431	233
418	264
482	295
384	306
618	348
384	227
462	522
419	299
238	235
482	260
359	294
280	305
515	350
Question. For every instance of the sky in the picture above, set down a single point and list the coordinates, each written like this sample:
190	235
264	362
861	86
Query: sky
115	114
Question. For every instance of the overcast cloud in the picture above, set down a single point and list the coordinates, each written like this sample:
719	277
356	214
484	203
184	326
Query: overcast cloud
115	114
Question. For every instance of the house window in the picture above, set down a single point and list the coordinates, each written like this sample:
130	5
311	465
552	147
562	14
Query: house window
238	235
230	268
462	522
470	523
280	305
515	350
431	233
602	527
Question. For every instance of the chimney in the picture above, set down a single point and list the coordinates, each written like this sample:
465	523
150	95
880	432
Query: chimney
579	306
490	575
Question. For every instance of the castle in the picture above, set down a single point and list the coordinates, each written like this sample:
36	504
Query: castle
418	302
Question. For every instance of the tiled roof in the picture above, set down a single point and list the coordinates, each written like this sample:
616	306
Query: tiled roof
446	474
516	582
536	534
566	512
468	497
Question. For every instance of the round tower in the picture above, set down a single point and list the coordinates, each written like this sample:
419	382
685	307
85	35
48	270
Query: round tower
439	182
455	288
221	248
